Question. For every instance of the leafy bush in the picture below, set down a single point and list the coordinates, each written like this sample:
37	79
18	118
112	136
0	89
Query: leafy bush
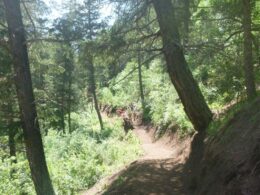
77	160
19	182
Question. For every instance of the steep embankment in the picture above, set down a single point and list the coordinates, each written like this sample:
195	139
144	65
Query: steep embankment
231	163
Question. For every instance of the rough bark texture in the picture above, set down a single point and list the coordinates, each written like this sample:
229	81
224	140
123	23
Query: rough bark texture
32	136
187	88
248	51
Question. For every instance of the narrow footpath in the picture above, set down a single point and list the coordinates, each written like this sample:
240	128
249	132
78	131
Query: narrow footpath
157	172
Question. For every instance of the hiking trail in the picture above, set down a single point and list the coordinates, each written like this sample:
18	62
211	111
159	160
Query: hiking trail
157	172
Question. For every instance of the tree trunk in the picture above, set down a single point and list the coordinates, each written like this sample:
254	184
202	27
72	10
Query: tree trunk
186	22
62	117
187	88
11	133
141	81
63	105
69	106
23	83
92	86
69	67
11	136
248	51
97	110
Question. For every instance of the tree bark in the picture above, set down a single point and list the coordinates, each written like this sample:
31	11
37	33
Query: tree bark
69	103
186	22
23	83
97	110
11	133
248	51
62	117
141	81
11	137
69	67
187	88
92	87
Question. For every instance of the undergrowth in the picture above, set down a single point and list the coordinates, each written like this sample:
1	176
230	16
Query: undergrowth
163	106
77	160
222	120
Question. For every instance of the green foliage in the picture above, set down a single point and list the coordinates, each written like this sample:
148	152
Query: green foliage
165	108
214	52
19	182
222	120
76	161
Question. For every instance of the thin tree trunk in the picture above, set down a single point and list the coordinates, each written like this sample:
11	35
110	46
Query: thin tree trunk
186	22
187	88
69	68
97	110
11	133
256	44
11	142
69	104
141	81
62	115
23	83
248	51
63	126
92	84
11	136
92	80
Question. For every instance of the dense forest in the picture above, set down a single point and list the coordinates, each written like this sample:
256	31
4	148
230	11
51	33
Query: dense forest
80	79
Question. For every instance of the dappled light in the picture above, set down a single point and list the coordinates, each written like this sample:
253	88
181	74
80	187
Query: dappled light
131	97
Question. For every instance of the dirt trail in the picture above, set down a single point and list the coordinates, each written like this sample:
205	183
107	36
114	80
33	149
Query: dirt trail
157	172
152	149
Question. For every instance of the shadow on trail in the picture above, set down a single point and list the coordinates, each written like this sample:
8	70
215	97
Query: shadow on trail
160	177
191	169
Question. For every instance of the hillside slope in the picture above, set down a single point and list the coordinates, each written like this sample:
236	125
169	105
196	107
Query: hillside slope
231	163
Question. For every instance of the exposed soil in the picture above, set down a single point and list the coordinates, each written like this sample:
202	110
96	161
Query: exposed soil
231	161
226	164
158	171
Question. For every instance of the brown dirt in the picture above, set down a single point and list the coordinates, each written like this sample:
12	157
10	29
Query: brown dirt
157	172
226	164
231	162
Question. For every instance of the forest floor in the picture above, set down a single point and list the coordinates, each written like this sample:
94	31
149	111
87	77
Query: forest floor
157	172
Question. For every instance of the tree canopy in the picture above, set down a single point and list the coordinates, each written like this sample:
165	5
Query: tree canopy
73	79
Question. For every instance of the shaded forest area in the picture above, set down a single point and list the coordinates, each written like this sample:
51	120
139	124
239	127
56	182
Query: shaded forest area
75	76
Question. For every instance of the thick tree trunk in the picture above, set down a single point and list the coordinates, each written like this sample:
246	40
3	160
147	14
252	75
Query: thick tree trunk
248	51
187	88
32	135
141	81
